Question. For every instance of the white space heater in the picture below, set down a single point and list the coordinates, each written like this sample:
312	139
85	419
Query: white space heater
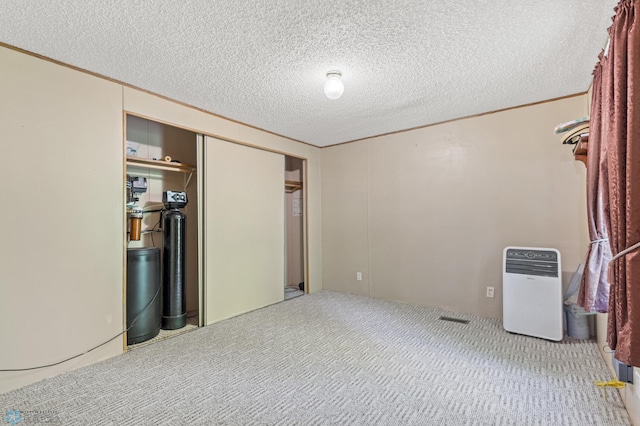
532	292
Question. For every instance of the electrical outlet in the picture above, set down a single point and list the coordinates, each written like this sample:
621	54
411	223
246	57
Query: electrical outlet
490	292
359	276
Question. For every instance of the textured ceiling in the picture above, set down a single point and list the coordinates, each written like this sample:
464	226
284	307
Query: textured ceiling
263	62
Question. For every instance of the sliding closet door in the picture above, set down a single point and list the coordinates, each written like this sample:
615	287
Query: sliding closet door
244	229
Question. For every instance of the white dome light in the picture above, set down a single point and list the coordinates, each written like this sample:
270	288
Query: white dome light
333	87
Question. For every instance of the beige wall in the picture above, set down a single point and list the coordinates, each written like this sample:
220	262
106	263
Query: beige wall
312	202
425	214
345	201
61	250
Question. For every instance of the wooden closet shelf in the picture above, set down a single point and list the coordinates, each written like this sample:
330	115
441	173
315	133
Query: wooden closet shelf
161	165
292	185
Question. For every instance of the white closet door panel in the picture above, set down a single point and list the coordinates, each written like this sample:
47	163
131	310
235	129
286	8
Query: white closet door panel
244	229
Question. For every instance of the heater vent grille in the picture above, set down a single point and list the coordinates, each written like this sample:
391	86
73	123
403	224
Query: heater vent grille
543	263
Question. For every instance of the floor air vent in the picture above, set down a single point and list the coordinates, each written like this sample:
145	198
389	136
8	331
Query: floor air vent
458	320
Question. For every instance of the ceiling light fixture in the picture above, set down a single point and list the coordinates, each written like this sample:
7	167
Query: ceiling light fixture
334	87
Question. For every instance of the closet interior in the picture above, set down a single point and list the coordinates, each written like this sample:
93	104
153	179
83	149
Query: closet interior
162	296
294	226
165	268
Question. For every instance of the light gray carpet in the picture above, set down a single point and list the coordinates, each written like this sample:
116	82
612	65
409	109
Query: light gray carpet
334	359
192	325
290	293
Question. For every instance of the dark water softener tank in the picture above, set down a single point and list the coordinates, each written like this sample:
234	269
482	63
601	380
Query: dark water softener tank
174	301
143	295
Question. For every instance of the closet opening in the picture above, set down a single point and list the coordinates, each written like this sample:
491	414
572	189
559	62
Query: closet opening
162	287
294	228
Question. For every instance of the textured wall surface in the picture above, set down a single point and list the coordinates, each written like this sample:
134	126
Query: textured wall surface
262	62
61	254
425	214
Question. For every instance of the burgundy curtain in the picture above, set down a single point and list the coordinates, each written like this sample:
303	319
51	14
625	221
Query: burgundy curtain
620	152
594	288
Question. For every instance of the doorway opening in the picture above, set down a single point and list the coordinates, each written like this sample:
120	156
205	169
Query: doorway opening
294	284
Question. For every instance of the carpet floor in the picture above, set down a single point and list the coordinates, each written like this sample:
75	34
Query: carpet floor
290	293
335	359
192	324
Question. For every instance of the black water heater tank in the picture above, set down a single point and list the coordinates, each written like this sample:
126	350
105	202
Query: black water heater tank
174	301
143	294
